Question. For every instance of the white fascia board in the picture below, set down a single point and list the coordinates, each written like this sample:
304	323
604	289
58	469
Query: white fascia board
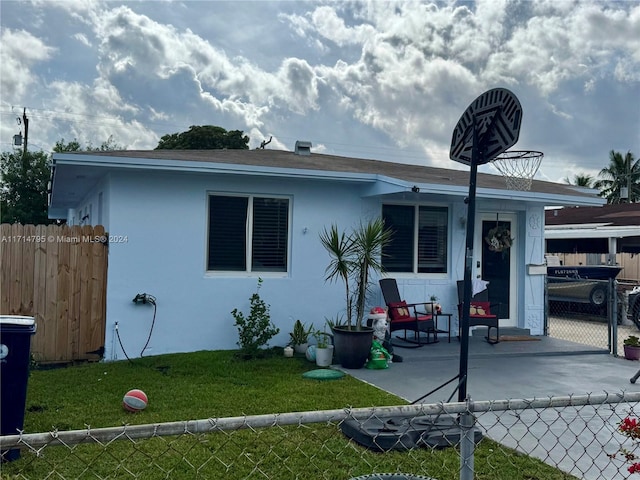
400	185
540	197
582	231
210	167
386	185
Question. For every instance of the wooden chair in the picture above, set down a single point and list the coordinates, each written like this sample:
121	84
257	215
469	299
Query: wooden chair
414	317
480	313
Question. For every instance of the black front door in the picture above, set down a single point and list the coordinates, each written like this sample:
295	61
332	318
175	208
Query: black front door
496	266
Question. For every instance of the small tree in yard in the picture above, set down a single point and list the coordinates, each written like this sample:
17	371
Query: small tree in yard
256	329
23	191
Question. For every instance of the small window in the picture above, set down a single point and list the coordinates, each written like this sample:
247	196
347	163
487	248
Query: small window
420	239
248	234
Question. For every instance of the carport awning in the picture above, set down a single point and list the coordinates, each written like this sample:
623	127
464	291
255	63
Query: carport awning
592	238
592	245
577	245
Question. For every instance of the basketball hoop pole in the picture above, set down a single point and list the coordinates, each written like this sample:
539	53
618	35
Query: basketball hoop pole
468	267
487	128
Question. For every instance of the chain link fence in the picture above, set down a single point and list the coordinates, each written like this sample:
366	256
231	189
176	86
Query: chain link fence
583	311
546	438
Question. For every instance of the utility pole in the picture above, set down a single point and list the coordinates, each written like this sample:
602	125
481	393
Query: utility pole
25	120
629	179
25	160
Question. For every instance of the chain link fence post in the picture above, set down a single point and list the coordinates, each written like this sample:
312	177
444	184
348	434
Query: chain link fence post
613	316
467	443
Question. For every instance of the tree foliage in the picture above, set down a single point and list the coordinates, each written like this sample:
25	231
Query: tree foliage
74	146
581	180
23	196
622	172
205	137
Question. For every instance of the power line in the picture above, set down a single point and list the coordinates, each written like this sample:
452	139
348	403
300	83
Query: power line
338	147
99	120
103	120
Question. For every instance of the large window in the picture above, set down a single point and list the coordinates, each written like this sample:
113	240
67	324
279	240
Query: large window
420	242
248	233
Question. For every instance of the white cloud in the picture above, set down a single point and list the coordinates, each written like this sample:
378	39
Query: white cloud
19	53
82	38
393	74
329	25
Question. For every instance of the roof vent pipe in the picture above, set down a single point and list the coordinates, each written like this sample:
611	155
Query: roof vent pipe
303	148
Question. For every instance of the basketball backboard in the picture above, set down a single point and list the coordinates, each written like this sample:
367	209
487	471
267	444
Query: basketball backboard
497	115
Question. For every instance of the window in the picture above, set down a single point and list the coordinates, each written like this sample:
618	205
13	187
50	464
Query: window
248	234
420	241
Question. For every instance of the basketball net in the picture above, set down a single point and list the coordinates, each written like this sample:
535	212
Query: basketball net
518	168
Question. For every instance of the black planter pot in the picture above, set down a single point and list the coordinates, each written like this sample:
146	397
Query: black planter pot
352	346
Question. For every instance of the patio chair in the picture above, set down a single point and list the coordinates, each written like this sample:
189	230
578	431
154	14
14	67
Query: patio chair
480	313
413	317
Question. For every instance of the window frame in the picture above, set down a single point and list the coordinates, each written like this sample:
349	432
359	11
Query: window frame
248	272
415	243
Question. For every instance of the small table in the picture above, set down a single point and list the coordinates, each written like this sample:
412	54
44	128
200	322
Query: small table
436	316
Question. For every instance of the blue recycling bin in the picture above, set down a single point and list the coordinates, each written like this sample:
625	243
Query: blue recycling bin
15	350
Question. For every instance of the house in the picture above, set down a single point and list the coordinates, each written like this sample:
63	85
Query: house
196	229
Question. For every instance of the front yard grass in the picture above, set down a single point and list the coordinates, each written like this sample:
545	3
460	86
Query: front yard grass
216	384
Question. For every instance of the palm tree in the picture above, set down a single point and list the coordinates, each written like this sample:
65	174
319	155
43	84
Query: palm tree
354	257
622	172
581	180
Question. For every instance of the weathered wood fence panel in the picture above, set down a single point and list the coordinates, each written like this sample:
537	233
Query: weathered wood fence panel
57	274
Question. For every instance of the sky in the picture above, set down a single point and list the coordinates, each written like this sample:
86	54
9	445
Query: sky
378	80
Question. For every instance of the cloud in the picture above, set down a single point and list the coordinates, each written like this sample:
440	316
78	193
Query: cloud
419	61
19	53
73	100
387	75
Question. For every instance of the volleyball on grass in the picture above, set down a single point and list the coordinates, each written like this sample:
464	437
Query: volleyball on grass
135	400
311	353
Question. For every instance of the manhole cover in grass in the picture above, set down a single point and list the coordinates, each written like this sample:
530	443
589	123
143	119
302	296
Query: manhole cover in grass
392	476
323	374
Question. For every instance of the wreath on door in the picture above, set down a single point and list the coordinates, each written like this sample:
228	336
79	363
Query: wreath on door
499	239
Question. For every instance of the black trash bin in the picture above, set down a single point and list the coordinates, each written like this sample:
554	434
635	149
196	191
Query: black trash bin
15	350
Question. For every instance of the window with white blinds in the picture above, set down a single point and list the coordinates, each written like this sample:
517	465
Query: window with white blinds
420	238
248	233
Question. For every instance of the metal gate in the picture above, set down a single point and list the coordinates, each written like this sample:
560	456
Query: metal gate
587	311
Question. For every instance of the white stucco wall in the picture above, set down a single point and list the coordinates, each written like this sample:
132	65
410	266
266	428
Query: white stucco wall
95	204
533	302
163	217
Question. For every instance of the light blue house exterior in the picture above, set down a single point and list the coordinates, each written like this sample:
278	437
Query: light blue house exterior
159	208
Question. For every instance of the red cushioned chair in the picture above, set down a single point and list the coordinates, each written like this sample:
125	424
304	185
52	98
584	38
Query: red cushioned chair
413	317
479	314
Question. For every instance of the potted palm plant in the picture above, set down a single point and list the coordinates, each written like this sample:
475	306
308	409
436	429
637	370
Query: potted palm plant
354	258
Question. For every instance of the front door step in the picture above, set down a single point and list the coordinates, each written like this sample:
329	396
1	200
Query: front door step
515	331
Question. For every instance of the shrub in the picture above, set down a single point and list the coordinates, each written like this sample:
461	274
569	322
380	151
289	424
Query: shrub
256	329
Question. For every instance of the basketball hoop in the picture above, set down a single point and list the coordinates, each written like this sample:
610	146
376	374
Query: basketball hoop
518	168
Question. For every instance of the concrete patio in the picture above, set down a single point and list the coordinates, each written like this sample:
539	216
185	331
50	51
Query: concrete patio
510	369
538	368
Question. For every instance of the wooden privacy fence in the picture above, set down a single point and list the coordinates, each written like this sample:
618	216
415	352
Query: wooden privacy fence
57	274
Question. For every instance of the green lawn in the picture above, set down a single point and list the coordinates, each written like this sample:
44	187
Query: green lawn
213	385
